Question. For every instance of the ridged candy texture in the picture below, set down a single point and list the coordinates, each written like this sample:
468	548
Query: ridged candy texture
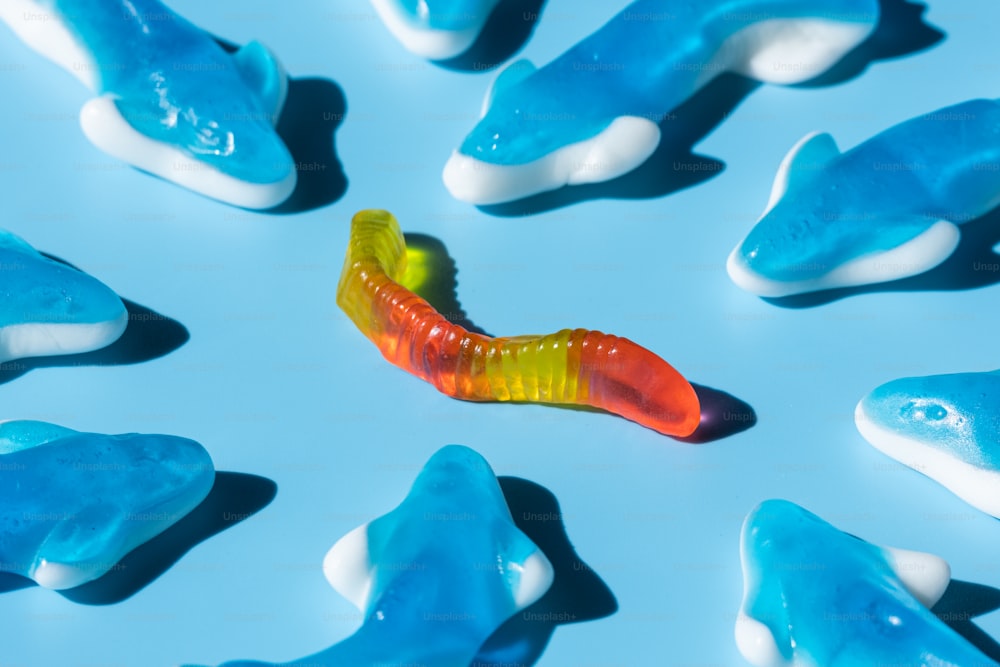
572	366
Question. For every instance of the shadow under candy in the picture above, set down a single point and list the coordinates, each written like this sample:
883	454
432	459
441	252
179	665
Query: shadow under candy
901	31
437	282
148	335
577	594
962	601
722	415
432	274
233	498
972	265
314	109
673	166
13	582
507	30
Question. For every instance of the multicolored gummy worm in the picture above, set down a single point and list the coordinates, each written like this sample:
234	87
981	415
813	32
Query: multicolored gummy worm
572	366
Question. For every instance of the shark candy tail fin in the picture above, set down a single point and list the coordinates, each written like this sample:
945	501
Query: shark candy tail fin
787	51
20	434
805	158
509	76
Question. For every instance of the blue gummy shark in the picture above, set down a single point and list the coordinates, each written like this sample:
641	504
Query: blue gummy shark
815	596
435	576
169	99
593	113
945	426
47	307
435	29
886	209
73	504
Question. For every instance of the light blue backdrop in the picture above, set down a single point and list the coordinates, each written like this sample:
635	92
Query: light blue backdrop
276	382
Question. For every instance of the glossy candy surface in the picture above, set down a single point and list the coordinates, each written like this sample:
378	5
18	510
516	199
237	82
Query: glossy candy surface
47	307
436	576
886	209
73	504
435	28
594	113
169	99
815	596
945	426
568	367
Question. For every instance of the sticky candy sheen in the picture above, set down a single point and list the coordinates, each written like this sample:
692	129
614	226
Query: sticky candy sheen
47	307
568	367
73	504
435	577
435	28
594	113
884	210
945	426
817	597
169	99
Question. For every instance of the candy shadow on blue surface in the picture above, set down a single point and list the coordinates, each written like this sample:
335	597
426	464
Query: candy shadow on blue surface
722	415
577	594
313	111
314	108
148	335
233	498
441	287
13	582
963	601
972	265
506	31
901	31
673	166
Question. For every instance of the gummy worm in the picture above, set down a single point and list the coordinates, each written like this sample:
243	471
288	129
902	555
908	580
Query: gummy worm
572	366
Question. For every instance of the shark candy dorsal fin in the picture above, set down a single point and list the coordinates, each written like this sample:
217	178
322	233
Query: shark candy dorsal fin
809	155
13	242
513	74
21	434
347	566
924	575
262	73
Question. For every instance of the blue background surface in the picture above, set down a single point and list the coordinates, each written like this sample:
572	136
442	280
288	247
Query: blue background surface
276	382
